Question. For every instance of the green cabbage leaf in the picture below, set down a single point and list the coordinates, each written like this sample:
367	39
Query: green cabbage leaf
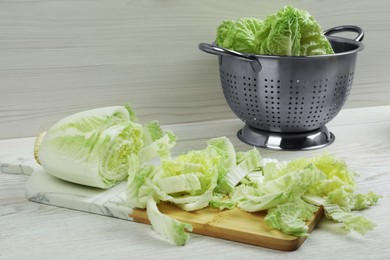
239	35
248	163
169	228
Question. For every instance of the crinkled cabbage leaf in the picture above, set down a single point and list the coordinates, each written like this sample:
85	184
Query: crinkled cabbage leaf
239	35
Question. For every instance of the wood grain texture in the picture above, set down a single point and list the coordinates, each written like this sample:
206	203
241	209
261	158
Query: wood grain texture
235	224
35	231
59	57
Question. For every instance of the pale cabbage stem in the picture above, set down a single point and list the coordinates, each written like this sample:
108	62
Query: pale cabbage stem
37	144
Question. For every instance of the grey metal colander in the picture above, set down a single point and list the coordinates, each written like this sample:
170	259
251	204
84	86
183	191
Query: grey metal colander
285	101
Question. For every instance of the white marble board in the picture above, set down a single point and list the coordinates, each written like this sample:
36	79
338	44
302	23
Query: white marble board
41	187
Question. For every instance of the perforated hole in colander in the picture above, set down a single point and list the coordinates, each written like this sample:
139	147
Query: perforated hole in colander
340	93
295	108
271	93
251	98
231	92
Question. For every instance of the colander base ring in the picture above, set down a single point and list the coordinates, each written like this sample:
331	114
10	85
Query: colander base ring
311	140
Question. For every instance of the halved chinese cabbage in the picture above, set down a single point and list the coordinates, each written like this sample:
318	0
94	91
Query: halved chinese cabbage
94	147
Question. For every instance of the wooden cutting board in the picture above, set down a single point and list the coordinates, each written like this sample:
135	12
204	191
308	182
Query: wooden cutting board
235	225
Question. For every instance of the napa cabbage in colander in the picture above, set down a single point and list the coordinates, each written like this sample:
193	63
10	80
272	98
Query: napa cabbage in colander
289	32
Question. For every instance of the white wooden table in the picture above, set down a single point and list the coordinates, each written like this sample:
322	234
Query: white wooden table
35	231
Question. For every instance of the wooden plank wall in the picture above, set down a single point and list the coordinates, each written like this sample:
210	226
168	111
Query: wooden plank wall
61	56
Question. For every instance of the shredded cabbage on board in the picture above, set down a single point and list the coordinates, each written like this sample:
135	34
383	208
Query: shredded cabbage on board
102	147
290	192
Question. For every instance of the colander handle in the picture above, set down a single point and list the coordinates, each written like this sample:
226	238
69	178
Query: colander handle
213	49
346	28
